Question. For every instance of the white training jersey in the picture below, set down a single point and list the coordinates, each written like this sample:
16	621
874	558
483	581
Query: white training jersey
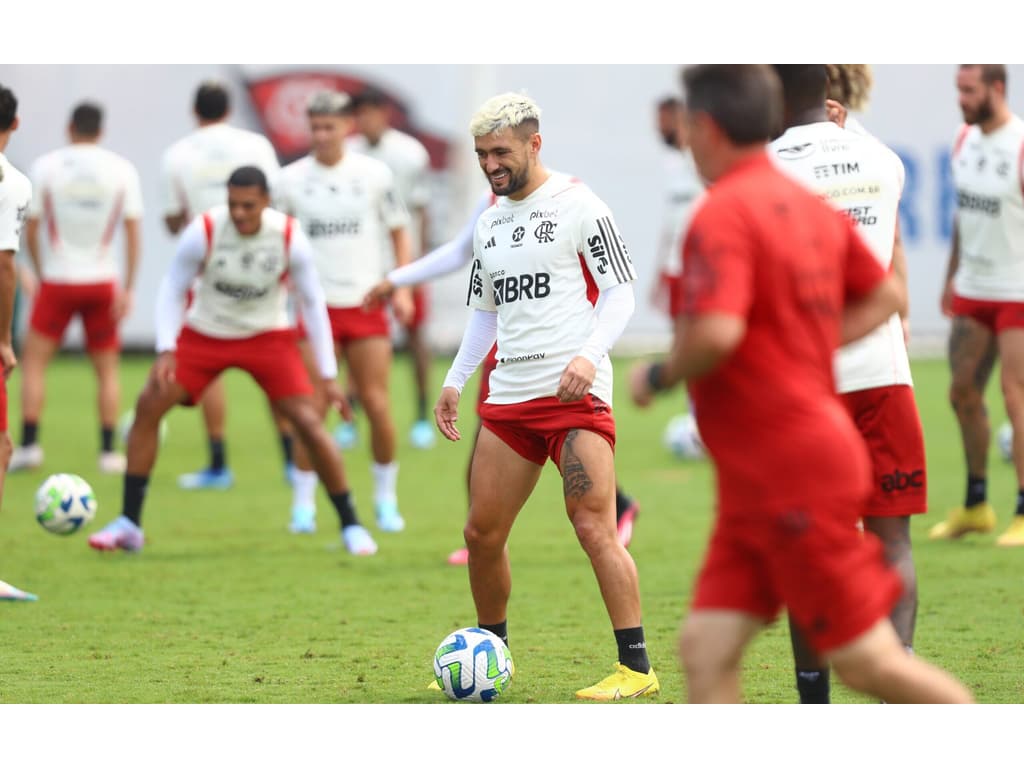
988	171
862	177
346	210
242	289
15	198
683	186
80	194
540	264
196	168
409	162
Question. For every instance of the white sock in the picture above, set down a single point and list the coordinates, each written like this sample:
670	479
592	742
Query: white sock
304	488
385	481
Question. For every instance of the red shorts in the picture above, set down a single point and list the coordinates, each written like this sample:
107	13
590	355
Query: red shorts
57	303
490	363
997	316
887	418
832	579
272	358
537	428
354	323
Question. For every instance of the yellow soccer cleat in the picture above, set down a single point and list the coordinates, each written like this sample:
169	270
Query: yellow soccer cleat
624	683
1014	535
979	518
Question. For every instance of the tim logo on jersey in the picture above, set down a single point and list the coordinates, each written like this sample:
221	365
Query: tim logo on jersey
607	251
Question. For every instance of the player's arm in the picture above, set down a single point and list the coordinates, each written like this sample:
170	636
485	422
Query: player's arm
871	294
132	249
946	302
614	309
8	285
171	297
32	245
480	335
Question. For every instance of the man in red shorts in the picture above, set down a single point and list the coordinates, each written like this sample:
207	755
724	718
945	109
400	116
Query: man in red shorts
244	255
82	194
549	262
774	281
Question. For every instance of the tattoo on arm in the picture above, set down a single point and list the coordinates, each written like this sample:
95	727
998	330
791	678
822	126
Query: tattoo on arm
575	480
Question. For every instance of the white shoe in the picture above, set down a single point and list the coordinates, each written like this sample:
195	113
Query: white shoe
26	457
113	463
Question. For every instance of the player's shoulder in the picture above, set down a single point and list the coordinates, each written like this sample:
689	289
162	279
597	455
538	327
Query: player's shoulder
13	183
370	167
407	143
571	190
297	168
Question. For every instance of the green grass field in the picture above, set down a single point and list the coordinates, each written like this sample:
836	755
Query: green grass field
224	605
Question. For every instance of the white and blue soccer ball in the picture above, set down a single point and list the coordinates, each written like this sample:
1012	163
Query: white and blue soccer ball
1004	437
682	438
473	664
65	503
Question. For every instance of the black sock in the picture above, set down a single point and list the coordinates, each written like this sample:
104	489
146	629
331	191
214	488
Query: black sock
501	630
29	432
622	503
133	496
813	686
106	439
1020	501
287	448
217	458
346	510
977	490
633	649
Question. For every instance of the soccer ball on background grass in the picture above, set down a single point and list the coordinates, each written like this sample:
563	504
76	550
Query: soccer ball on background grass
65	503
1004	437
473	664
682	438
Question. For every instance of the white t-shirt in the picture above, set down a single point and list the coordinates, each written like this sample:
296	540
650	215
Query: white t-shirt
80	194
988	171
409	162
540	264
862	177
683	186
15	198
346	210
196	168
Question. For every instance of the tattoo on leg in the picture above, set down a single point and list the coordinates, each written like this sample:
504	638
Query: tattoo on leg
575	480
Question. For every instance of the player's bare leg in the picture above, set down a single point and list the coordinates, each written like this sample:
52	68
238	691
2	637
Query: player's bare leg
108	396
877	664
35	357
304	478
812	673
894	533
711	648
213	405
369	364
500	483
972	355
1011	355
423	431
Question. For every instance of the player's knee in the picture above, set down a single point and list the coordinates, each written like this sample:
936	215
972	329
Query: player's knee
862	673
481	539
592	530
964	395
374	400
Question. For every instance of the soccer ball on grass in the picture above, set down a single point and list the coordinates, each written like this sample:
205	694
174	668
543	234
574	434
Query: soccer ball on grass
65	503
473	664
682	438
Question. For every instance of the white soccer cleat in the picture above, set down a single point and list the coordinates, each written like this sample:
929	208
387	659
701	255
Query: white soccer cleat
122	533
12	593
26	457
112	463
358	541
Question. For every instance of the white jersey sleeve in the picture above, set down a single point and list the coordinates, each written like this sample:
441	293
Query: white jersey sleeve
598	238
481	287
15	197
132	193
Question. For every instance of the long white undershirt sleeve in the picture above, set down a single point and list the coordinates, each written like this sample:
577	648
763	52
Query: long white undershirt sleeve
614	307
480	335
173	291
312	304
444	259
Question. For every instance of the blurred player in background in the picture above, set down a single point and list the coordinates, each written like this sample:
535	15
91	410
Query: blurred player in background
984	290
15	197
850	85
872	374
195	170
241	258
773	281
347	204
82	193
409	162
552	284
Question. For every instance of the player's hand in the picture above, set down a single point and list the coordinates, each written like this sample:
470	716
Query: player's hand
336	399
640	384
162	373
378	294
8	359
946	302
836	112
402	304
122	306
577	379
446	413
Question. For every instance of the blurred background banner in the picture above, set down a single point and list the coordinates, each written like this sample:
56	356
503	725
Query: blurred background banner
598	123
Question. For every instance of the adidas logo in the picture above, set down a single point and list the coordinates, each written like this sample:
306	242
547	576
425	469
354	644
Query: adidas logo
490	243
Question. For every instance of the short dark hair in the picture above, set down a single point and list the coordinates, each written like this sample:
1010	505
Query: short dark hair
370	97
804	86
990	73
8	108
212	101
249	176
87	119
744	100
670	102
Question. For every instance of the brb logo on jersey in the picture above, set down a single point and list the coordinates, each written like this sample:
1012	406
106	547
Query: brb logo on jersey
509	288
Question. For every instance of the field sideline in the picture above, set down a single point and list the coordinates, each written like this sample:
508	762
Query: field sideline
225	606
